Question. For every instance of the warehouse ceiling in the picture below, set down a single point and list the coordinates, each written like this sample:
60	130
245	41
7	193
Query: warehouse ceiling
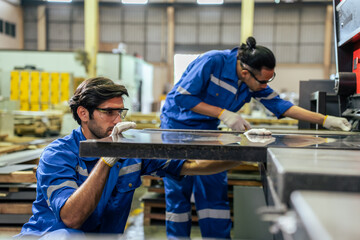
15	2
179	1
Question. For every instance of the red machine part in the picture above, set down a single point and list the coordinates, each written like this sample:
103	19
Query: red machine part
356	64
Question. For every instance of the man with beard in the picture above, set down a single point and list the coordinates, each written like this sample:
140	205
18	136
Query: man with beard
77	195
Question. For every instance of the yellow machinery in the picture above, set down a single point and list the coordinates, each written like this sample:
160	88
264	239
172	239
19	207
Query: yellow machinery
36	92
39	90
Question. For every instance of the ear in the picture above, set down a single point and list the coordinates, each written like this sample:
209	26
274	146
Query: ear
83	114
244	73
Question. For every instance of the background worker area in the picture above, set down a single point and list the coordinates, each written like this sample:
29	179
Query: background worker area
214	87
91	195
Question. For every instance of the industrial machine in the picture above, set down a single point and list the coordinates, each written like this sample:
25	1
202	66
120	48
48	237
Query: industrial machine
347	55
296	212
341	98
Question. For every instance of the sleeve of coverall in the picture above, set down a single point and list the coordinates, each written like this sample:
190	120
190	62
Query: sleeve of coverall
272	101
161	167
56	176
193	82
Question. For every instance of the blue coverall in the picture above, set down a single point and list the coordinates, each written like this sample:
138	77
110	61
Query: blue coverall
61	171
211	78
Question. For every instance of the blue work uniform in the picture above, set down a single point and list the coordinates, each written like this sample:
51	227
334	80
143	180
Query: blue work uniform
210	78
61	171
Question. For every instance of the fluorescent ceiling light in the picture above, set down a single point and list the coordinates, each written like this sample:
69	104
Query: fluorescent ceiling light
134	1
59	1
210	1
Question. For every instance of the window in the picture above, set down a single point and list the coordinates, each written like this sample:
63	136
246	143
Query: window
1	26
13	30
10	29
7	28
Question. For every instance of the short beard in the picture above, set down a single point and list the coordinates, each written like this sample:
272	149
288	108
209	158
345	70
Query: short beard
97	132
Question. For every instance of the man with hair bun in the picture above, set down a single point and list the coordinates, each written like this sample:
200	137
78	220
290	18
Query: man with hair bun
212	89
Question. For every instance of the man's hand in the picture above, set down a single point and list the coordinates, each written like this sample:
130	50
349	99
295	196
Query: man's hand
117	130
234	121
336	123
122	126
110	161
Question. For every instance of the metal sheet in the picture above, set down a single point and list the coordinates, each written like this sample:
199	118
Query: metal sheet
18	167
313	169
327	215
207	145
18	196
19	157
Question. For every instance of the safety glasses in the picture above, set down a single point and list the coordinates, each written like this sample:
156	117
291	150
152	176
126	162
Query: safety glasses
110	114
253	75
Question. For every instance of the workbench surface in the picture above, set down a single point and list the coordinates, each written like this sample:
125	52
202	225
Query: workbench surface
327	215
313	169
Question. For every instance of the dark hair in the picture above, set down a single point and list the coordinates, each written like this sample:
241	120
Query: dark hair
256	56
93	92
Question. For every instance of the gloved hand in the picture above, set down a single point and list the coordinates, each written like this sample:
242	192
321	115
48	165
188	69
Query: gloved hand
121	127
260	135
258	131
234	121
263	139
110	161
336	123
118	129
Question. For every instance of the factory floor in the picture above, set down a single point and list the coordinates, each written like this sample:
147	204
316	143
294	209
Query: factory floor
135	228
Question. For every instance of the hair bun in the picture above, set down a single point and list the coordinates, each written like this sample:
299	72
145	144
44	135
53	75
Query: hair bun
251	42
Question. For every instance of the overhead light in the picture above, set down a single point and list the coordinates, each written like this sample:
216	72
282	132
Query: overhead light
134	1
210	1
59	1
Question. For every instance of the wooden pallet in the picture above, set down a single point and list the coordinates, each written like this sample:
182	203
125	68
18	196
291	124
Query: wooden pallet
19	177
11	148
17	194
16	208
10	230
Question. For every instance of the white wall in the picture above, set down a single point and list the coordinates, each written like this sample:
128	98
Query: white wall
160	80
11	13
288	76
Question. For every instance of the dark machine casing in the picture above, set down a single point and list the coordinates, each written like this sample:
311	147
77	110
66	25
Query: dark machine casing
347	54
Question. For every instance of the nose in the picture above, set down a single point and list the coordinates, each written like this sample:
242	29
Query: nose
263	86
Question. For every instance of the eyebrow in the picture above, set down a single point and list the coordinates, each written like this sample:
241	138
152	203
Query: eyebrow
112	109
